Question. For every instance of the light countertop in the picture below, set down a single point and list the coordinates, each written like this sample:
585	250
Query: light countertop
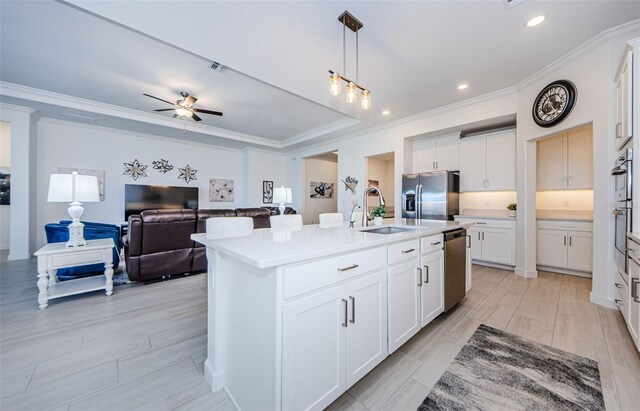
565	215
486	217
269	247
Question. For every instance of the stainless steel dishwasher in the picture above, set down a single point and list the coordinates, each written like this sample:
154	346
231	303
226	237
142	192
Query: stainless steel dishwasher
455	261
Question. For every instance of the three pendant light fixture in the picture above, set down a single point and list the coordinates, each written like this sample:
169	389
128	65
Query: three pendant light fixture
335	79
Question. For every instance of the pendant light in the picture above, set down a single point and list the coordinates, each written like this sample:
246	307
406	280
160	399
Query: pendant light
335	85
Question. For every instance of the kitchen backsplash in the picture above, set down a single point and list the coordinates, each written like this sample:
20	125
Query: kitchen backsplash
564	200
486	200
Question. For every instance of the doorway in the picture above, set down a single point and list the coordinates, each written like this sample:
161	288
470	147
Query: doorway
319	182
5	187
381	173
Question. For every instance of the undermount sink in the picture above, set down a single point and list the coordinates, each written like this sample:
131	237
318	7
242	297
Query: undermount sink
388	230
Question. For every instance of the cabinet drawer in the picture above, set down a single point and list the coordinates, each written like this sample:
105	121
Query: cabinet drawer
302	278
480	223
634	249
431	243
565	225
403	251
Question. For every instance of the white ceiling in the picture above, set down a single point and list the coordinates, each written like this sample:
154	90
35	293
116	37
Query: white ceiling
412	57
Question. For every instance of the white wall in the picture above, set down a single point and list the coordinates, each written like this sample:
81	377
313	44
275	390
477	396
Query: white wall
5	163
262	165
62	144
319	170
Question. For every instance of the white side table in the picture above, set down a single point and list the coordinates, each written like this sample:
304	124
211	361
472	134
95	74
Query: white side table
53	256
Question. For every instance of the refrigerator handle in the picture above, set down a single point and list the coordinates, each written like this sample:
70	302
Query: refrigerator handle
419	201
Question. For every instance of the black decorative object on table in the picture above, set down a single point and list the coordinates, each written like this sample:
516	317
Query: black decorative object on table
187	174
554	103
135	170
498	370
267	192
162	166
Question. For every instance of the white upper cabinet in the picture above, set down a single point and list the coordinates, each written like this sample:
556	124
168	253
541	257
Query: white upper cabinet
488	163
565	160
624	100
435	154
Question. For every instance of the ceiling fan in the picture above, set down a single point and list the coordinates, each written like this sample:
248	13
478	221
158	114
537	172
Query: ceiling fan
185	107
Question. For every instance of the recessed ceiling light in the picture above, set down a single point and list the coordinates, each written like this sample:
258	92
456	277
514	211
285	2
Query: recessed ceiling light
535	21
462	86
386	113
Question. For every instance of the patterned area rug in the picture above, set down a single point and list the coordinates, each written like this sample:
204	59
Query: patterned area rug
496	370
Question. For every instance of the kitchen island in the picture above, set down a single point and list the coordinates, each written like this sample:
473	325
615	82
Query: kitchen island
295	317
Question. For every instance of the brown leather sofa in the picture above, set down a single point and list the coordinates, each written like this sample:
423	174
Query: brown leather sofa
158	242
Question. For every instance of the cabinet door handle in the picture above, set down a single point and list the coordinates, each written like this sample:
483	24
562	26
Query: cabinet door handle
634	289
618	130
436	243
570	237
478	235
420	281
565	240
480	223
351	267
483	236
408	251
570	183
469	241
353	309
346	308
426	268
617	301
618	285
488	183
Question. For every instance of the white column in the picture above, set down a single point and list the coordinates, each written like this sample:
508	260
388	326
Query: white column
526	239
21	230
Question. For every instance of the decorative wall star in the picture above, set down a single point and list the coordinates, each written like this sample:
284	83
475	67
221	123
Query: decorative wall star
162	166
134	169
187	173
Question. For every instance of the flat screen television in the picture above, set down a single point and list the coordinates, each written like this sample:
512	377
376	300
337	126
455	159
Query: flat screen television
138	198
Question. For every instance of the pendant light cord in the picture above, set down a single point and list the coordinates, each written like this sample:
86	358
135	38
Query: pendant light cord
357	57
344	48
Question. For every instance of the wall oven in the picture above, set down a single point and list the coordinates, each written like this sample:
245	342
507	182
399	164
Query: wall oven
622	212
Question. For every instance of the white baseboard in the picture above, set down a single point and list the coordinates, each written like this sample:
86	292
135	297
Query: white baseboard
493	265
214	378
603	301
520	272
585	274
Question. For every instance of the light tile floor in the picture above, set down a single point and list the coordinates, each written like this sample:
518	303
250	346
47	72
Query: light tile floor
144	347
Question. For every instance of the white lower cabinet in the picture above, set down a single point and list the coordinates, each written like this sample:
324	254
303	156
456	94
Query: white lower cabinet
491	240
432	289
331	339
565	245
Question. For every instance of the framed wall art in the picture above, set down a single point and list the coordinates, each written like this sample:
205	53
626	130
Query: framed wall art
267	192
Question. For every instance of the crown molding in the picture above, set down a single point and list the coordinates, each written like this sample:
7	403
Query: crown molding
630	27
7	106
415	117
48	97
94	127
337	125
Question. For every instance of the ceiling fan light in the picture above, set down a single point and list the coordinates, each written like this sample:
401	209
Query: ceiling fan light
184	112
334	84
351	92
365	100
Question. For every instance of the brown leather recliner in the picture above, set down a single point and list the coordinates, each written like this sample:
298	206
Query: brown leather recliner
158	243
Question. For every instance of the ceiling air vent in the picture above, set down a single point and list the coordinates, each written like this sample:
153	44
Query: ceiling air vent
219	67
513	3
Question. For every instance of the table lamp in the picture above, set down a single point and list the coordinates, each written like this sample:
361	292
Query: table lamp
282	195
75	189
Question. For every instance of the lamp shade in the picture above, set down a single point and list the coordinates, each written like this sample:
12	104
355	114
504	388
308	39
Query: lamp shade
67	188
282	195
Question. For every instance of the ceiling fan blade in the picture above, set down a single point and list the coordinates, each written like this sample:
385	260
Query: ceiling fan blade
190	100
175	116
165	109
195	117
157	98
215	113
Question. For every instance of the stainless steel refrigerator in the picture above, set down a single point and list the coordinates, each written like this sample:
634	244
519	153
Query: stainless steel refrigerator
432	196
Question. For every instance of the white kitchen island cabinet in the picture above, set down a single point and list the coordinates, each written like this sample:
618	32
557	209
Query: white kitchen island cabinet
296	319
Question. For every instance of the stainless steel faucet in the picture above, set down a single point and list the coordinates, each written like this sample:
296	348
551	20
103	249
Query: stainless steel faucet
365	203
351	220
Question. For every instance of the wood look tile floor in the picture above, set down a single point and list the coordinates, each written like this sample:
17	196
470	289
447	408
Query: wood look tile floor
144	347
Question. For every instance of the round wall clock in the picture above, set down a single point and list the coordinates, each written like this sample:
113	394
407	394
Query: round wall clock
554	103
